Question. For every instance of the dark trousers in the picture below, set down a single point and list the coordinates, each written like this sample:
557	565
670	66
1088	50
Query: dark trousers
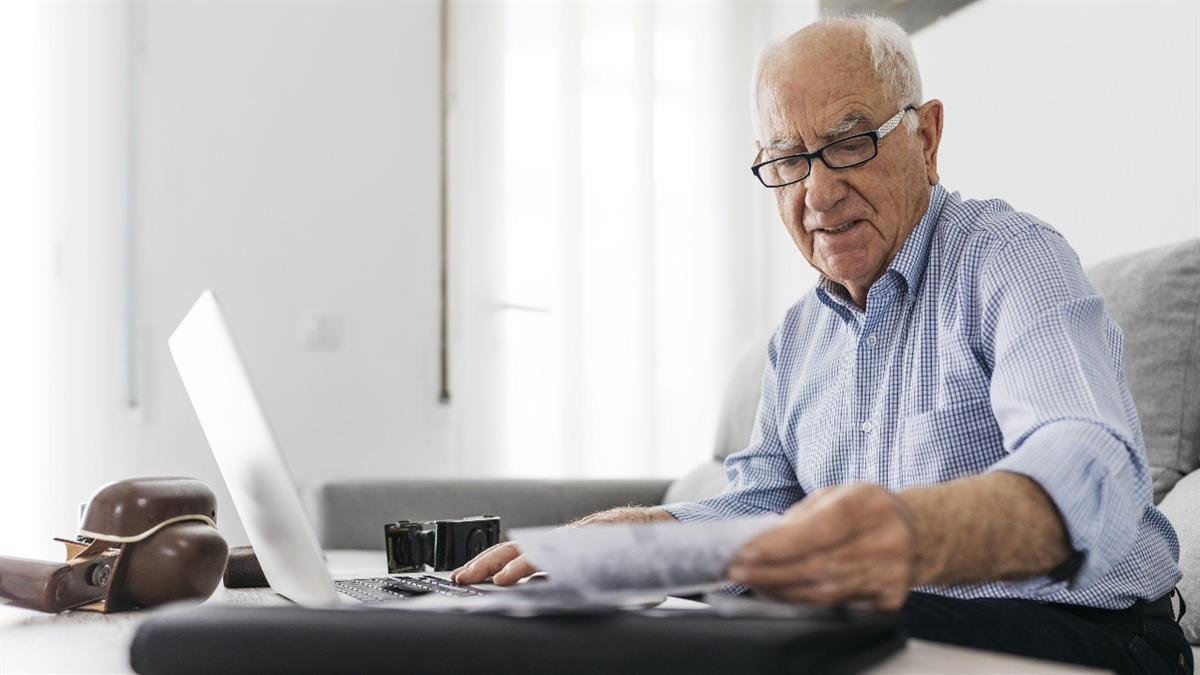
1142	639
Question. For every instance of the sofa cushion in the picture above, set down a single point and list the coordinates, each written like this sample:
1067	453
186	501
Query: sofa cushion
1182	507
702	482
740	400
1154	296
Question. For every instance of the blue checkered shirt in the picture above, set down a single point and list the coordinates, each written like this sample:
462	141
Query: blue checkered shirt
983	347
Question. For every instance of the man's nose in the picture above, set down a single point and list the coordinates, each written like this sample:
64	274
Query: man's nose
823	188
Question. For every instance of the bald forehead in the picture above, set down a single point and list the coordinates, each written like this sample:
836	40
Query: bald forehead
821	78
825	46
825	37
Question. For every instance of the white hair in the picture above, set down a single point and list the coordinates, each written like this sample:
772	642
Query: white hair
894	60
892	56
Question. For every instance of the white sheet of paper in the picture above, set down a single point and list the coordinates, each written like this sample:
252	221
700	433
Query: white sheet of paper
599	561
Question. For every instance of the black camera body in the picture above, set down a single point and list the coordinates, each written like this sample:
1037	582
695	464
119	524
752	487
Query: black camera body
440	544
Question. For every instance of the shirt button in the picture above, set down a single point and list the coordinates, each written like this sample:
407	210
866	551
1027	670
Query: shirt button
871	340
868	427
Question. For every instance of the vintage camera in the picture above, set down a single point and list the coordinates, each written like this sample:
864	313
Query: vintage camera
441	544
142	542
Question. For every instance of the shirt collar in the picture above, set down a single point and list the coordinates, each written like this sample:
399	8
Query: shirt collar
913	258
909	264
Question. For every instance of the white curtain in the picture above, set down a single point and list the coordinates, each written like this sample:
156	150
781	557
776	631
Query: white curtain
25	269
610	250
64	67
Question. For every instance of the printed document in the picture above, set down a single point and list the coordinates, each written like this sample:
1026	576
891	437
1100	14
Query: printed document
599	561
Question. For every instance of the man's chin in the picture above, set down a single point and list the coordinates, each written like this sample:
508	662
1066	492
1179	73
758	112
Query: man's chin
849	271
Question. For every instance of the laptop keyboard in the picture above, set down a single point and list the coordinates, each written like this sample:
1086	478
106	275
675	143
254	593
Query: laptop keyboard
380	589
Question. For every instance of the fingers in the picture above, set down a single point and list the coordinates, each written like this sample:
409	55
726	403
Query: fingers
876	592
842	565
846	544
486	564
846	582
892	598
826	520
826	594
817	526
513	572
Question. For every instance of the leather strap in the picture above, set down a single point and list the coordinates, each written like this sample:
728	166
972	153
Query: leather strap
1182	603
1162	608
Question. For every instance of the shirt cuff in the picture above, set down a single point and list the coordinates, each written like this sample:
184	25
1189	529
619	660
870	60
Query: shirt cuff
692	512
1097	487
721	507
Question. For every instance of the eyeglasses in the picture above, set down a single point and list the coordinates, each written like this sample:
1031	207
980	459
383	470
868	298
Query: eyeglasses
844	153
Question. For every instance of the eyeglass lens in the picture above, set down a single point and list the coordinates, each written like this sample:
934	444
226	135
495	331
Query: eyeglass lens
839	155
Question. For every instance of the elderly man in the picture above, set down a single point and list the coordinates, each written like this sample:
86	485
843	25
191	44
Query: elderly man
944	420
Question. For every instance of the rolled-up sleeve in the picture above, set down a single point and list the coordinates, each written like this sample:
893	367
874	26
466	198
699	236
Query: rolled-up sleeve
1058	394
762	479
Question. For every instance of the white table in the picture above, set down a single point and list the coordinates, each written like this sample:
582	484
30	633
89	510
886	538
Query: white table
86	642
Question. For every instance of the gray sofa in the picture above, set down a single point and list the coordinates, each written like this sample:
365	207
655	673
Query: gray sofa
1154	296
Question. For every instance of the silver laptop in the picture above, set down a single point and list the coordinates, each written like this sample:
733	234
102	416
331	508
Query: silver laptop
258	479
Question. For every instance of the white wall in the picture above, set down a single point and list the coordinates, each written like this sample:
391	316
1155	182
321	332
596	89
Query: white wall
73	162
1083	114
784	273
286	156
26	285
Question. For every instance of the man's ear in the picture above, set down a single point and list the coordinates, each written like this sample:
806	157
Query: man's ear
930	132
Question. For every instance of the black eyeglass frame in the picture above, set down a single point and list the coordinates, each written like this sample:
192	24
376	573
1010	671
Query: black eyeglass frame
875	135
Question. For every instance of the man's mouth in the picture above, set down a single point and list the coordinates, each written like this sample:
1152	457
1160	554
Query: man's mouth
839	229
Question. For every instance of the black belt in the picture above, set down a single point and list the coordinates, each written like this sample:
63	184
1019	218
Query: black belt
1162	607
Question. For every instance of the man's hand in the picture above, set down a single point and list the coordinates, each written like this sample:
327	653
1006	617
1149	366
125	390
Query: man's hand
861	542
854	542
506	566
502	562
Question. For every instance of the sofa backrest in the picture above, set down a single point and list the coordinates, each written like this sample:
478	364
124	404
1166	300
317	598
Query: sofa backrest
739	402
1154	296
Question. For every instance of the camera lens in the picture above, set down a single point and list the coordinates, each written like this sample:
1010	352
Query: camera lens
404	550
409	548
476	542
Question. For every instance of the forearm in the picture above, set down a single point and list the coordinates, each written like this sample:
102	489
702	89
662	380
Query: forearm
991	527
625	514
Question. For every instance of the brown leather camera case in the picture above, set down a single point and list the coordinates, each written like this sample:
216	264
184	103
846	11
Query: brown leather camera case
141	542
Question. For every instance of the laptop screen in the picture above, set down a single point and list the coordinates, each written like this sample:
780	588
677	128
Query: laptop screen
248	456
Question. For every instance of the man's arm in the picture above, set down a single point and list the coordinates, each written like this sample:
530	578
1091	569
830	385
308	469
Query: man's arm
861	542
1059	396
997	526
